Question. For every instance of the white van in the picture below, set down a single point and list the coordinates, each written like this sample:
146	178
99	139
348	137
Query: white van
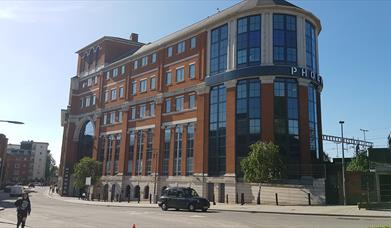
16	190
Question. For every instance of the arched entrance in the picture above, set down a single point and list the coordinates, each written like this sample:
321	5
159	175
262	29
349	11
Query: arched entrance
137	192
146	192
113	193
86	140
105	192
127	192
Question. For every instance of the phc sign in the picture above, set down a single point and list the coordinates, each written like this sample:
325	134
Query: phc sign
307	74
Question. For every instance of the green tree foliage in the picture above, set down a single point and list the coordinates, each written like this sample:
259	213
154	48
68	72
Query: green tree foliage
50	166
358	163
87	167
263	163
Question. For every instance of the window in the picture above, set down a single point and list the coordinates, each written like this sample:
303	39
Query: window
286	123
84	84
134	88
116	153
93	99
115	72
112	117
152	84
168	78
193	42
88	101
104	119
133	113
192	100
180	74
218	53
310	46
179	103
135	64
131	152
107	75
192	71
284	39
217	131
142	111
144	61
89	82
120	116
168	105
166	155
169	52
248	49
154	58
190	149
152	109
149	152
95	79
139	154
248	116
123	69
113	94
81	102
178	151
143	85
106	96
181	47
121	92
313	121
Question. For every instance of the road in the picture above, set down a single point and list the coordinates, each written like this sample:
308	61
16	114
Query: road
50	213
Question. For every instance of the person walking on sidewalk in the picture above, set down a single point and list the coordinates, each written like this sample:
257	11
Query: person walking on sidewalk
23	208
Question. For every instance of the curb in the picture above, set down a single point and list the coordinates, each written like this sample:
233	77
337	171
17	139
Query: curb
301	213
239	211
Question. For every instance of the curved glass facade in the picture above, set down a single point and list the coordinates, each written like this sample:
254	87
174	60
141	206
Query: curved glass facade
313	121
217	131
218	49
310	46
286	123
248	38
284	39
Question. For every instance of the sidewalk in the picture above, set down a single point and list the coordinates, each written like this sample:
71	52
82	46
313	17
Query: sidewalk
346	211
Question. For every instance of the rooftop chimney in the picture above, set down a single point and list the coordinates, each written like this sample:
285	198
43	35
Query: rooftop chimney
134	37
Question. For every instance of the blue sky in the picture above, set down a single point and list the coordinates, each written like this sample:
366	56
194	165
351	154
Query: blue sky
38	41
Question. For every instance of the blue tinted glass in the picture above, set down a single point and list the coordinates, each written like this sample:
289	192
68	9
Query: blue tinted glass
223	47
291	54
215	35
291	23
279	37
255	89
255	23
254	39
278	21
242	25
242	56
254	55
291	40
242	41
279	53
292	89
254	106
224	32
214	50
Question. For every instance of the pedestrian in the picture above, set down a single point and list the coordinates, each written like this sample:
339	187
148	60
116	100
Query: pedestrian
23	208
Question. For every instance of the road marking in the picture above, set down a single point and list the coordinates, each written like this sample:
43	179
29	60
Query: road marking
197	216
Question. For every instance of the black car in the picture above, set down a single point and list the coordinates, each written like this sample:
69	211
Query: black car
182	198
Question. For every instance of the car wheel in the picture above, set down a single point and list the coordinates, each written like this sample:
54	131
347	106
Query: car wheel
204	209
164	207
177	209
191	207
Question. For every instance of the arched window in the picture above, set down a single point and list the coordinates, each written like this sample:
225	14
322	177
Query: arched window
86	140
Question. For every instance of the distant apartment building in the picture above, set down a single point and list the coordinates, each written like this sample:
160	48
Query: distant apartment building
26	162
3	153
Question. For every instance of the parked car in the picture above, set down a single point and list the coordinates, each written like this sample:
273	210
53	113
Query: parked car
16	190
31	185
182	198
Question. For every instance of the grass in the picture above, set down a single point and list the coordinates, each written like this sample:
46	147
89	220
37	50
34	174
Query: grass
386	226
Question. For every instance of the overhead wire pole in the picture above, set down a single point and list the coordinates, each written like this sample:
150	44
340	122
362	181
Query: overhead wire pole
343	164
366	149
363	131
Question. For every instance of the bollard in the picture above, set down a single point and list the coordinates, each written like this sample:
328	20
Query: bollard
214	201
242	199
259	198
156	196
134	226
150	198
226	199
309	199
138	198
277	199
237	198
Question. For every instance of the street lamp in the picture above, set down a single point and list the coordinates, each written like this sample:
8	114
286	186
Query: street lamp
343	163
11	121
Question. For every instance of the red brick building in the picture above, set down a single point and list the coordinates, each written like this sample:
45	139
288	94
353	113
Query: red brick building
183	110
3	153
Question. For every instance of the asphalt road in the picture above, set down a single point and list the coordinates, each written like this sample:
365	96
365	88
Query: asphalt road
47	212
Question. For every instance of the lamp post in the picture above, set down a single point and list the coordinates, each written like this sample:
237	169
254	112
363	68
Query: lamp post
343	163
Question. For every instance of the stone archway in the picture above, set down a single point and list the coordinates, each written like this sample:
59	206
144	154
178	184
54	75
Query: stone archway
86	140
146	192
105	192
137	192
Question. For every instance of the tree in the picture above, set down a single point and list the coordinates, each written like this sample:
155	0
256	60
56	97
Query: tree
358	163
87	167
50	163
262	164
